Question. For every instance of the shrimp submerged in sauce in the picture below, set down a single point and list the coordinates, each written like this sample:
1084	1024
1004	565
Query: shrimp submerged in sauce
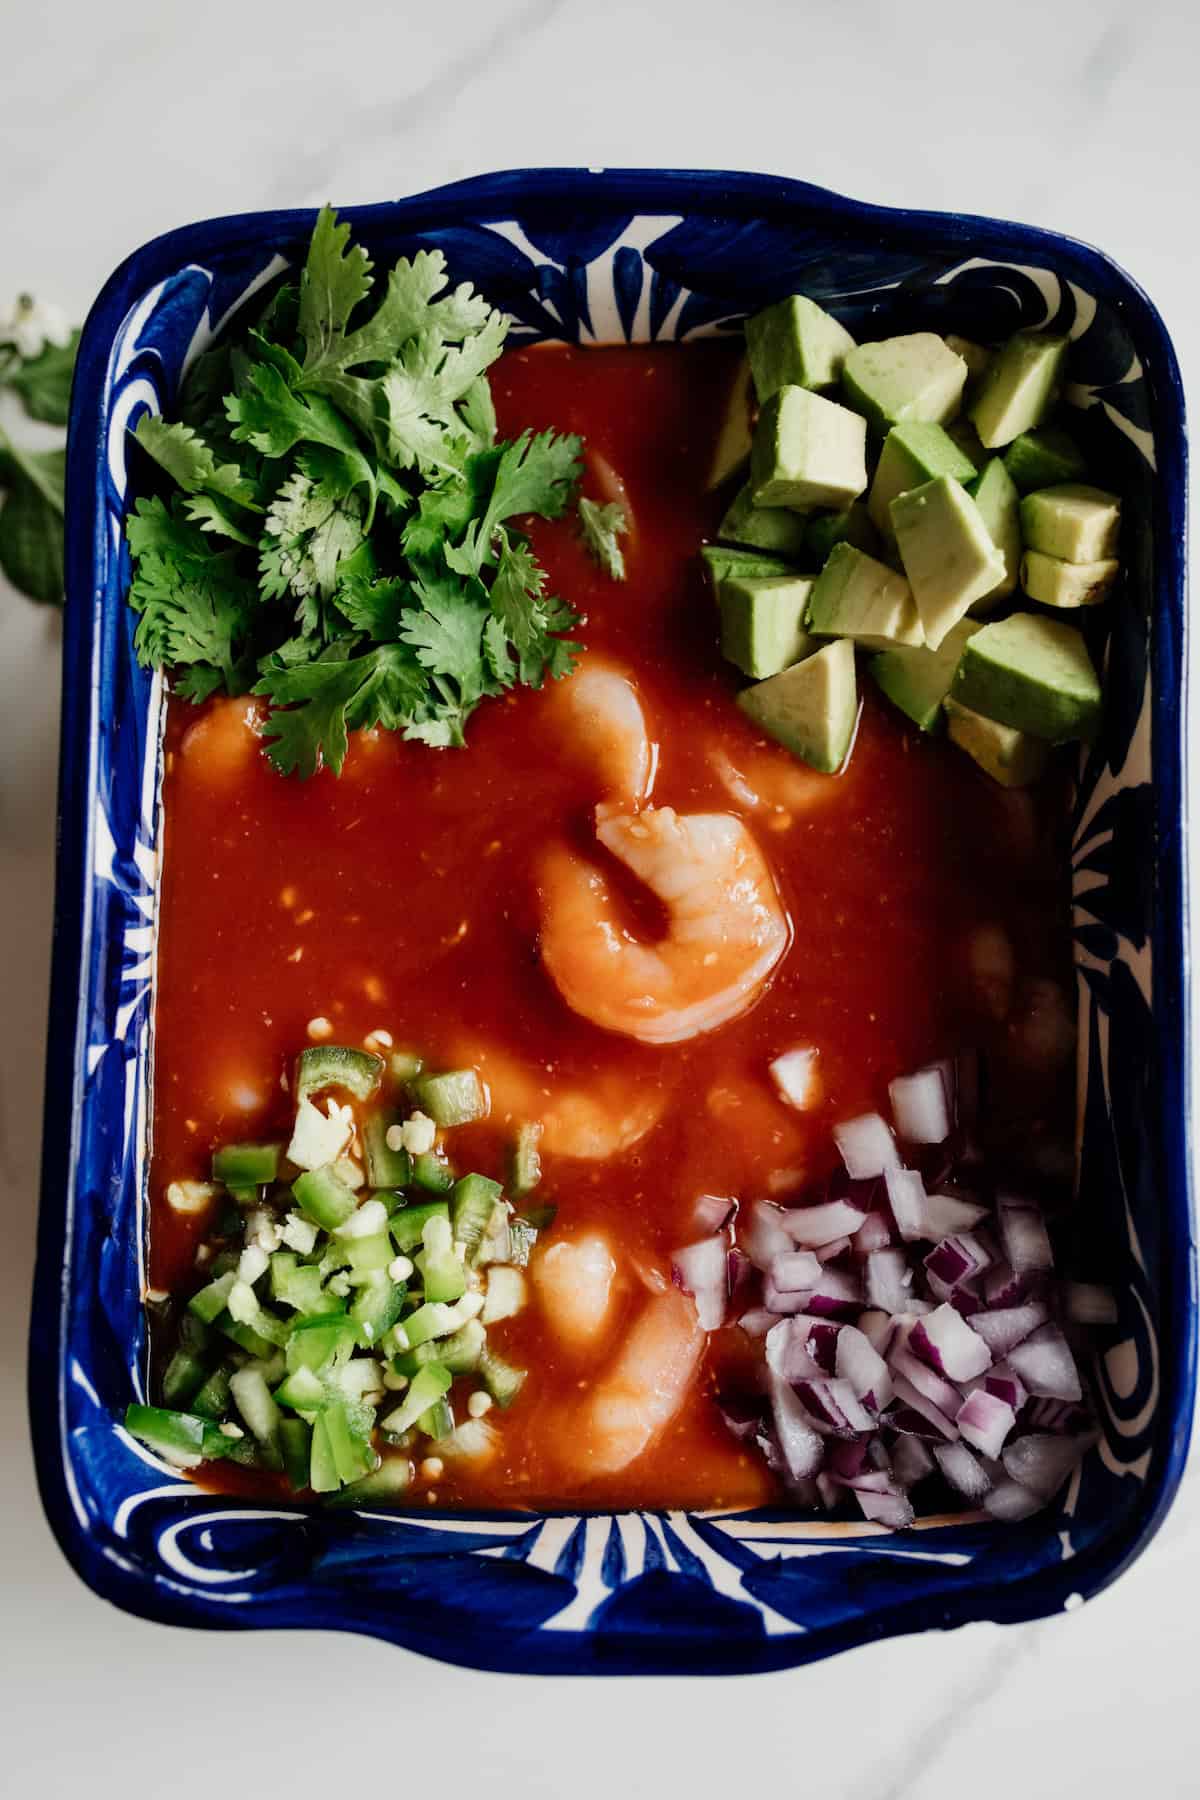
726	927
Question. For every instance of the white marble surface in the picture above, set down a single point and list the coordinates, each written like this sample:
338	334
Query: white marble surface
123	118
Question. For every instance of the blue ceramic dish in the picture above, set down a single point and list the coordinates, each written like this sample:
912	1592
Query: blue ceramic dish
602	257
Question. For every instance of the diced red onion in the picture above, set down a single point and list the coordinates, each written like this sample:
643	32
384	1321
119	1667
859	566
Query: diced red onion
859	1363
962	1470
915	1402
712	1212
780	1301
1003	1287
1001	1331
836	1296
1000	1381
958	1259
789	1354
875	1233
926	1381
1057	1415
1088	1304
1024	1236
812	1226
702	1270
848	1458
911	1461
894	1509
741	1277
866	1145
1042	1463
878	1328
985	1421
793	1271
834	1407
889	1280
800	1446
758	1321
945	1341
920	1106
795	1075
764	1236
1010	1501
907	1197
1046	1366
946	1214
831	1252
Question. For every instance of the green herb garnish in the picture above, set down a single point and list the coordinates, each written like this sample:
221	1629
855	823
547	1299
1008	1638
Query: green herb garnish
37	360
341	539
602	526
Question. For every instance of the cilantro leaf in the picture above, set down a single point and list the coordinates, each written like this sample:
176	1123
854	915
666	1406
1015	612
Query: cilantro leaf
43	383
337	275
31	520
188	460
195	605
328	698
315	523
421	390
602	526
527	617
267	414
529	475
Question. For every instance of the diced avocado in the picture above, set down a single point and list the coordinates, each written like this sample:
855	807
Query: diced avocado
948	556
1077	522
852	525
1011	757
736	430
1017	390
1032	673
999	508
976	356
912	454
762	623
795	343
775	528
857	597
1058	583
1039	459
807	452
903	378
961	432
810	708
918	680
720	562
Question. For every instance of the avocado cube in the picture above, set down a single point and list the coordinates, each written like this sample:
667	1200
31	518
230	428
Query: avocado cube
964	436
1039	459
1017	390
807	452
912	454
904	378
1032	673
775	528
948	556
1078	523
852	525
736	431
976	356
918	680
811	708
857	597
1011	757
795	343
1058	583
762	623
720	561
1000	509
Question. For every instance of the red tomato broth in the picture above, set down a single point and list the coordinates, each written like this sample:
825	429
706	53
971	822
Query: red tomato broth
408	887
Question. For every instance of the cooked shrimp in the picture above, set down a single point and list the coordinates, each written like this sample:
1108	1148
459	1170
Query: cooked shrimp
218	746
602	725
727	927
603	1119
773	785
641	1392
574	1281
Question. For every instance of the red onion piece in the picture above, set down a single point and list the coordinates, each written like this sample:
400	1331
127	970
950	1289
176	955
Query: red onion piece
858	1362
1042	1463
907	1198
946	1214
958	1259
780	1301
1004	1329
893	1509
1024	1236
800	1446
833	1407
962	1470
1010	1501
875	1233
837	1295
945	1341
1003	1287
878	1328
934	1387
793	1271
813	1226
889	1280
985	1421
795	1075
764	1236
790	1355
914	1401
758	1321
866	1145
920	1106
702	1270
911	1461
712	1212
1046	1366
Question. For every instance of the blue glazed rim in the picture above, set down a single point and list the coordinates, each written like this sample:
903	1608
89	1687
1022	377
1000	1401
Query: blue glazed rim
737	197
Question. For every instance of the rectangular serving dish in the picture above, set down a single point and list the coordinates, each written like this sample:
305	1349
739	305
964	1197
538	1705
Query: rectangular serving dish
594	258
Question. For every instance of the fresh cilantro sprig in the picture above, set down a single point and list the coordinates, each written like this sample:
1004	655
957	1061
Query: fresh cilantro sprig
342	534
37	360
602	528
